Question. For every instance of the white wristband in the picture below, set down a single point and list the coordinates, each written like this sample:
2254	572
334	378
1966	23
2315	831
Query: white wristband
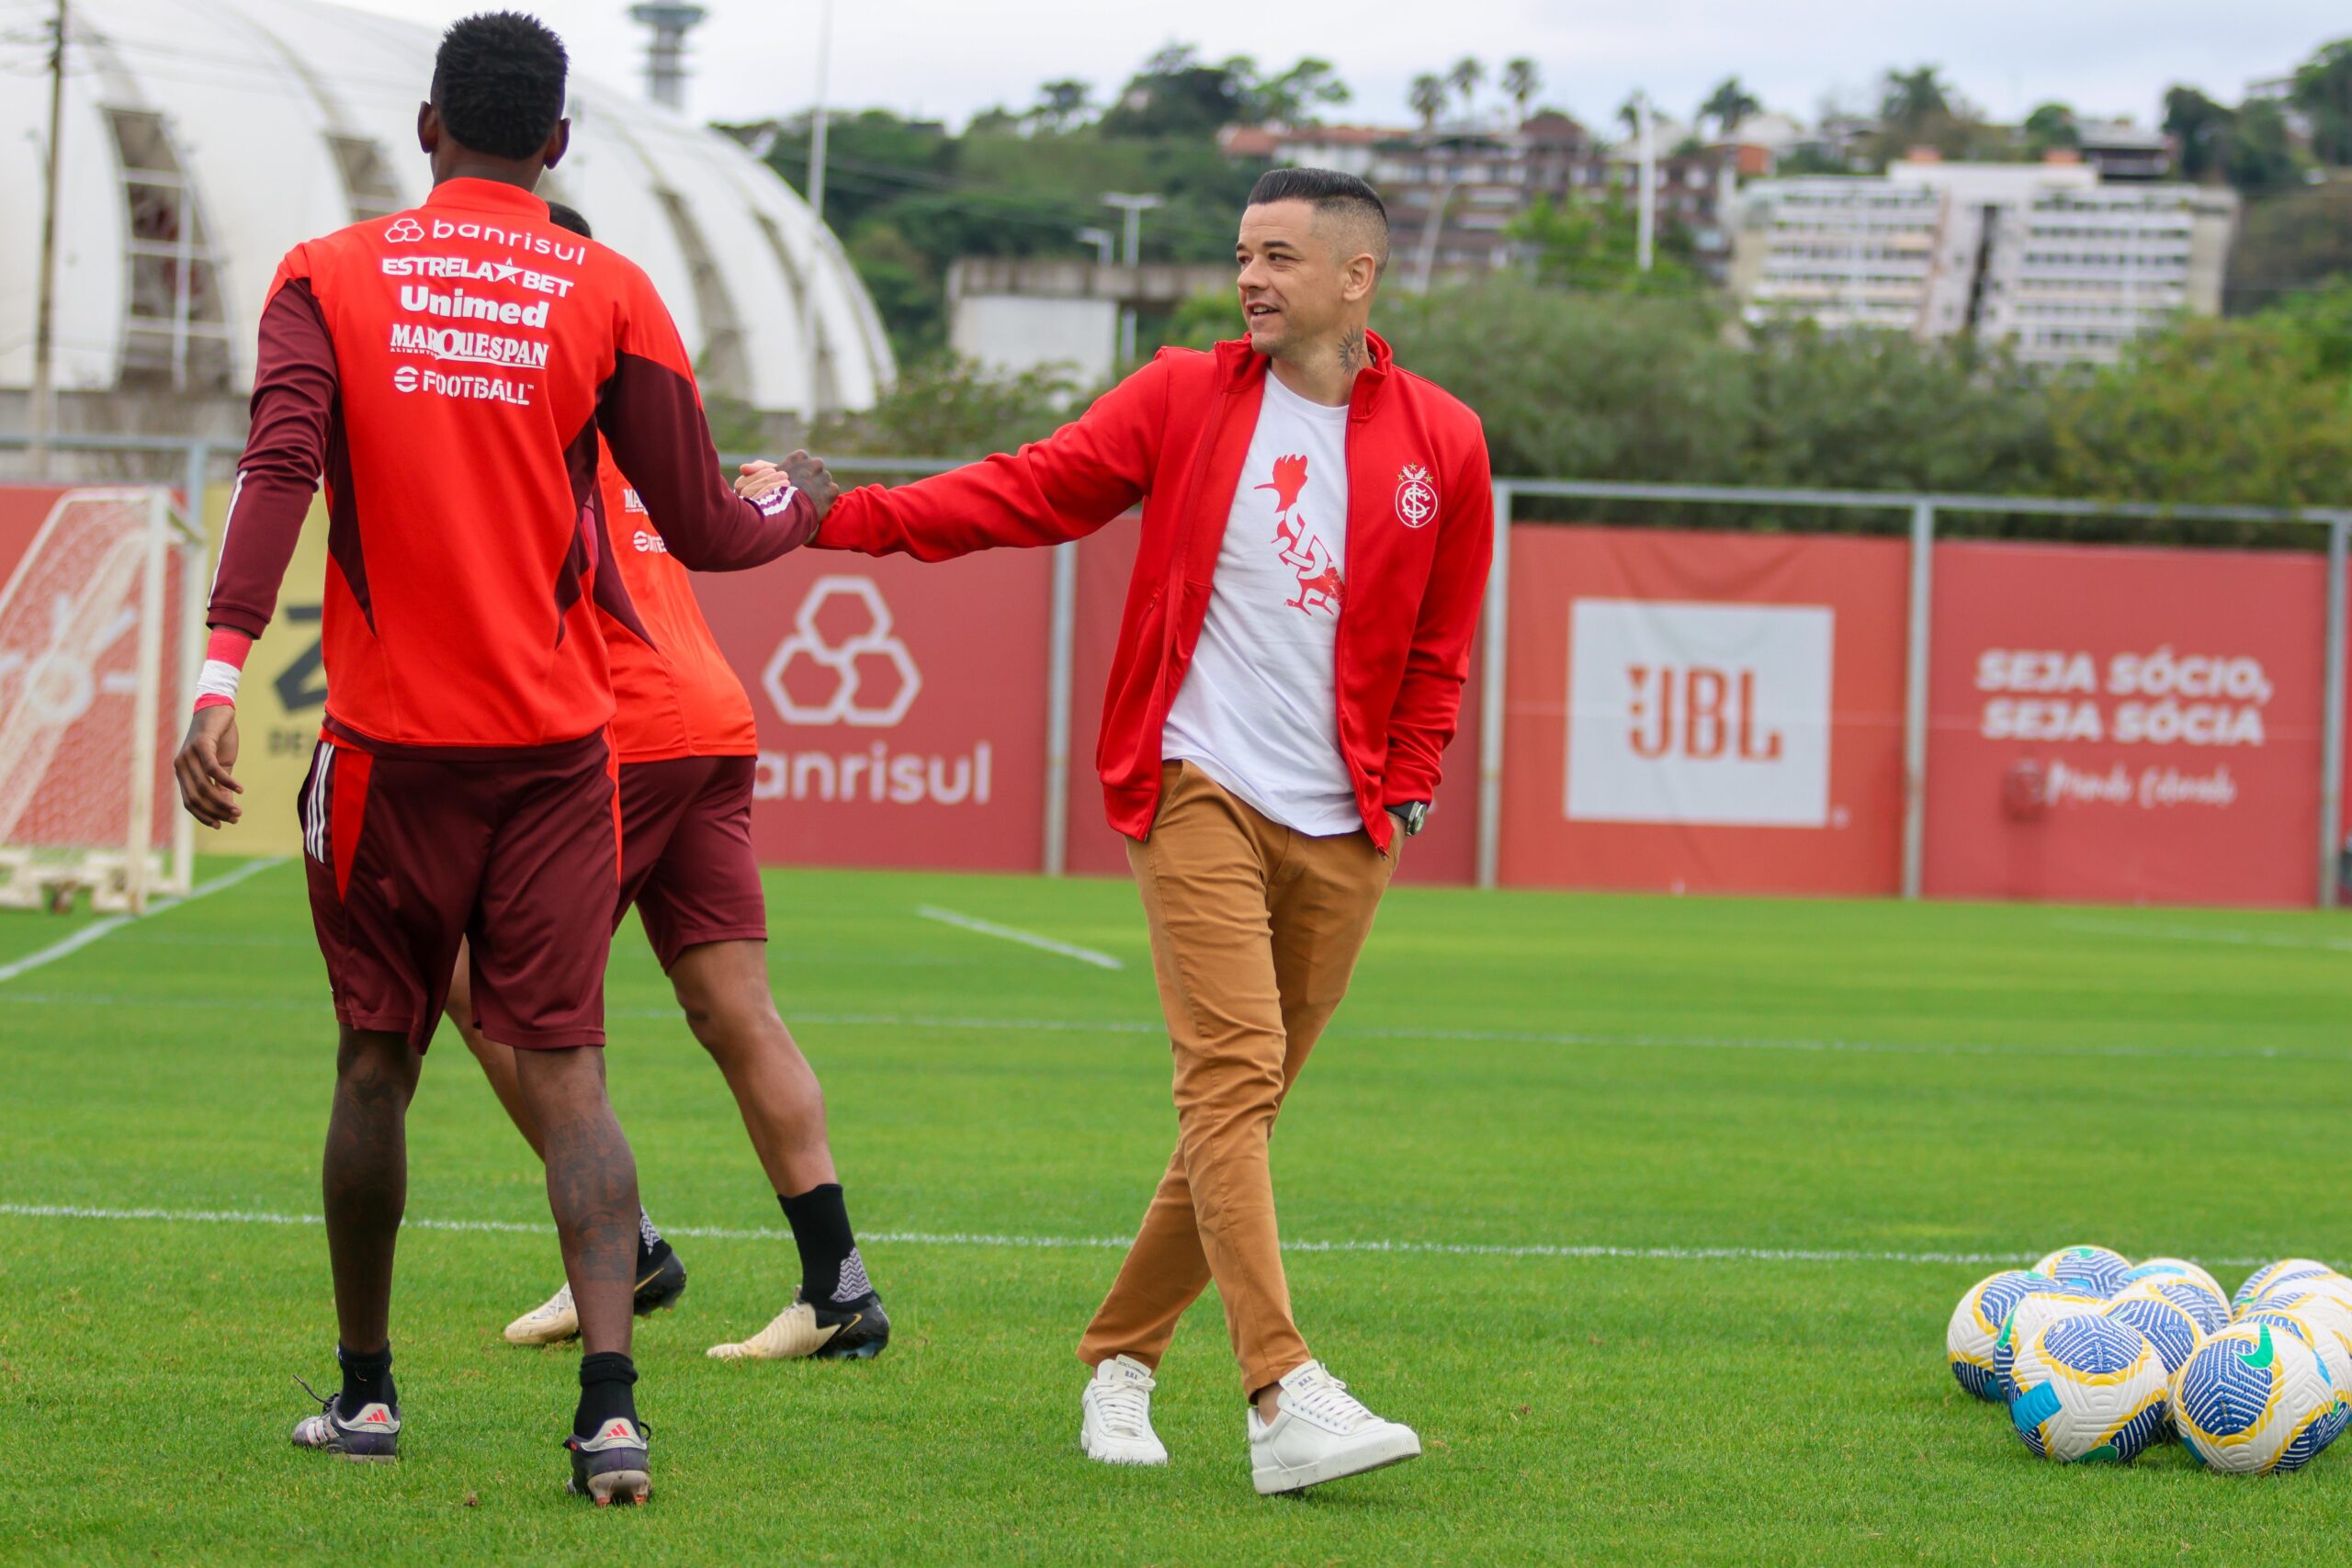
218	678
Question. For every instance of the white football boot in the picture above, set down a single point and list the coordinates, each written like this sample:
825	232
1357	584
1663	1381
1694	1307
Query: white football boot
550	1323
1116	1427
1321	1432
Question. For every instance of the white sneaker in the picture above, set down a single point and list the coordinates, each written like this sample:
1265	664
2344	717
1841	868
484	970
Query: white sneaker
1321	1432
552	1323
1117	1426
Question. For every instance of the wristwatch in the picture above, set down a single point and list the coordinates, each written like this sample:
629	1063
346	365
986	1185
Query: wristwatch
1411	816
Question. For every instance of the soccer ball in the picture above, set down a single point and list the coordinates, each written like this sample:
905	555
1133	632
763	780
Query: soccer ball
1976	1325
2259	1282
2035	1311
2305	1288
2210	1308
2089	1388
2253	1399
2329	1320
2173	1268
2171	1327
2333	1354
2095	1270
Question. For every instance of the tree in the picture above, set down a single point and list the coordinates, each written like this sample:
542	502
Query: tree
1178	95
1467	75
1728	105
2290	243
1594	245
952	408
2323	91
1292	98
1521	81
1914	98
2201	129
1060	104
1428	98
2050	126
2261	154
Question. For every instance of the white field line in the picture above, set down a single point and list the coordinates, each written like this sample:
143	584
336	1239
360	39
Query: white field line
1094	1243
99	929
2203	934
1027	939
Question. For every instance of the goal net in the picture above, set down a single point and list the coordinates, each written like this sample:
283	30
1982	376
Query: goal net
97	665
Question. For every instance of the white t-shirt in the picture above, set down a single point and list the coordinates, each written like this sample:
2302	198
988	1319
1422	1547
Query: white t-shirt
1258	711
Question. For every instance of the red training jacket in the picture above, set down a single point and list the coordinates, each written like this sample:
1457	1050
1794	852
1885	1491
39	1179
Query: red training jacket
447	370
1173	436
675	694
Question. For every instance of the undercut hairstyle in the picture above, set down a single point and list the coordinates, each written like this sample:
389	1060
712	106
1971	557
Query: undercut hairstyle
1336	197
564	216
499	83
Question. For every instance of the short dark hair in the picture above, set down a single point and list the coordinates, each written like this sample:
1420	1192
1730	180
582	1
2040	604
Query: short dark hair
564	216
497	82
1331	194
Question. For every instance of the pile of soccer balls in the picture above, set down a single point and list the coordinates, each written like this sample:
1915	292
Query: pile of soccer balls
2096	1359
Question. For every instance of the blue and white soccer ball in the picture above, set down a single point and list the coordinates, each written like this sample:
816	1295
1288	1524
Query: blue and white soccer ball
2254	1400
1976	1326
2260	1282
2094	1270
2171	1327
2035	1311
2301	1288
2090	1388
2176	1268
2210	1305
2312	1323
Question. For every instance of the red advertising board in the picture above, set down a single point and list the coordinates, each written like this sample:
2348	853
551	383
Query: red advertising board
901	706
2119	724
1704	712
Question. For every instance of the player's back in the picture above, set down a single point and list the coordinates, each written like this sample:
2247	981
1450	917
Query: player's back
471	339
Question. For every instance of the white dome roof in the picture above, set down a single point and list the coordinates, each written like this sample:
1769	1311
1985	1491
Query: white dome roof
287	120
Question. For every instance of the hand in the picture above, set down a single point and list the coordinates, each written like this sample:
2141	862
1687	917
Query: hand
205	767
755	480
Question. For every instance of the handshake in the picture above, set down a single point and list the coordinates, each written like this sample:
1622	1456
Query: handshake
800	471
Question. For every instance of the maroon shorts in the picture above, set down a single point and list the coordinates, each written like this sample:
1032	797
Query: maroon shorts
686	853
410	853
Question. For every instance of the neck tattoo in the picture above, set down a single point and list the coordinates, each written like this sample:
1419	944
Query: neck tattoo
1351	355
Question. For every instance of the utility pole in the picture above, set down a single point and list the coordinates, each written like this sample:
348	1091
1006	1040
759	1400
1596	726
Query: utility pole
818	121
44	389
1105	243
1647	229
1135	207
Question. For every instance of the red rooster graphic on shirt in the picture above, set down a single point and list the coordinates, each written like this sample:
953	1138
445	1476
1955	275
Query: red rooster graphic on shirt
1302	550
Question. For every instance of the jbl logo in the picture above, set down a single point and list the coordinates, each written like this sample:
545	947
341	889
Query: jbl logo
1699	713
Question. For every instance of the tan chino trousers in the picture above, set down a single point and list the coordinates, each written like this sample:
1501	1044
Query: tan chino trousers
1255	930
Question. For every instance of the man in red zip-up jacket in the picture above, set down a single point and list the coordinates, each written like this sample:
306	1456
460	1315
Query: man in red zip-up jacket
449	369
1316	528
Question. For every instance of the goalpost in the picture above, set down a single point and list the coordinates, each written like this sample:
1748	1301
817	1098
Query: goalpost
101	636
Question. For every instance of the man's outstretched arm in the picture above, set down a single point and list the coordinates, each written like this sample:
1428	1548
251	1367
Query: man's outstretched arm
1063	488
293	403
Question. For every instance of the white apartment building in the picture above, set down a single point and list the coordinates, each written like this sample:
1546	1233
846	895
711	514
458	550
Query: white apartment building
2044	257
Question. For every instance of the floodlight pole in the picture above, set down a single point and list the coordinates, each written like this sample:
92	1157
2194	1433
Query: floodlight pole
819	121
1135	207
43	413
1646	220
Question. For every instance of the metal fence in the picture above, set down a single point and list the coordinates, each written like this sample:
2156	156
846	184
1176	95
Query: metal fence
189	464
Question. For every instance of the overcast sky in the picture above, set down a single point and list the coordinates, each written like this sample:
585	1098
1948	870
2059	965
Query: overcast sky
950	58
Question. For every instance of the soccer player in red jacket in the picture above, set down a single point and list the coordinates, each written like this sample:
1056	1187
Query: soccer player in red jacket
449	370
1317	526
683	731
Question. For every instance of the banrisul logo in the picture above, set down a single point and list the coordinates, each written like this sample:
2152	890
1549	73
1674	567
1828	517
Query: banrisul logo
1699	713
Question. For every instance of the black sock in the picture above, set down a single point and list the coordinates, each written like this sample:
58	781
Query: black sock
651	1249
366	1380
607	1382
830	1269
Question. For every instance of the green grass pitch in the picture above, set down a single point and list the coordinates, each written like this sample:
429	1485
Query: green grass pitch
1617	1109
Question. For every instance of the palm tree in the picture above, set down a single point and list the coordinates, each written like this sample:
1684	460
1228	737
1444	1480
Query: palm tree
1521	80
1729	104
1465	78
1428	96
1910	98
